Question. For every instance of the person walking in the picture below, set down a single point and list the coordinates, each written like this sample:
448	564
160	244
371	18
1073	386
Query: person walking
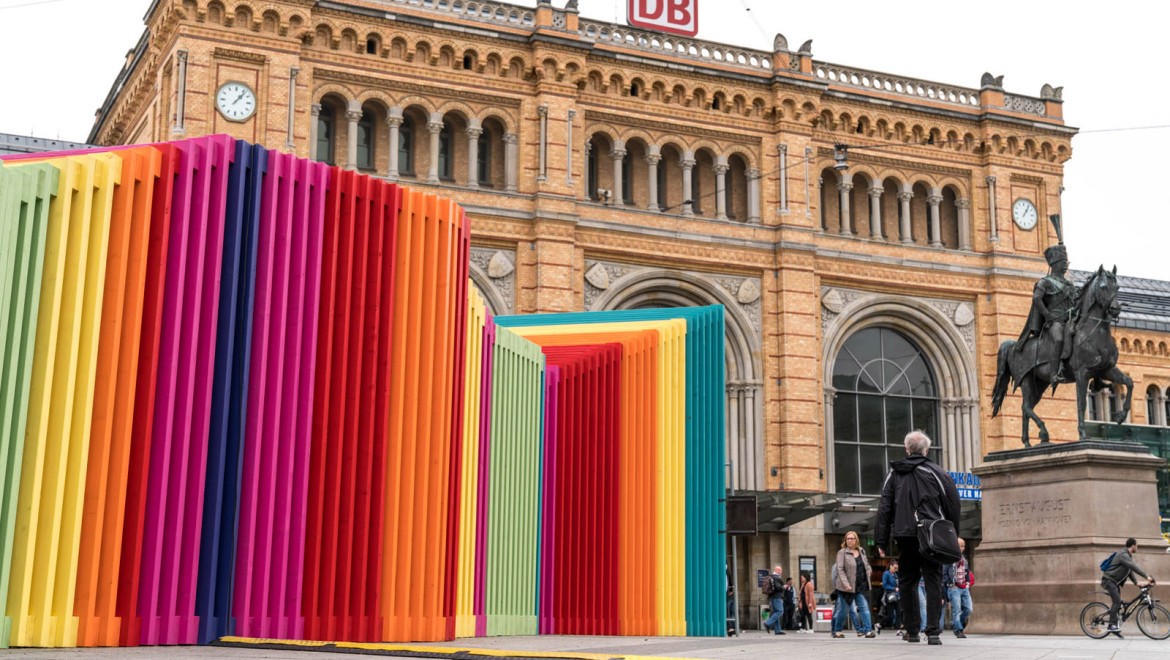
852	583
774	590
890	596
841	608
808	603
960	578
1120	568
914	484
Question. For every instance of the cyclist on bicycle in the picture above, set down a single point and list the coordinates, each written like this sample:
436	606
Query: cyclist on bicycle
1122	567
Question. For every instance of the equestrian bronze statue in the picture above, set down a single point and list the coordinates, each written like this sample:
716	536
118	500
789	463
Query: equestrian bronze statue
1066	339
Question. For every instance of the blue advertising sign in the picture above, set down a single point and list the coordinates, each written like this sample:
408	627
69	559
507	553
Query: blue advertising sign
969	485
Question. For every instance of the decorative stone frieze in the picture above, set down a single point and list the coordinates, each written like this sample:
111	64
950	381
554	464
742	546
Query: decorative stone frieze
496	277
960	315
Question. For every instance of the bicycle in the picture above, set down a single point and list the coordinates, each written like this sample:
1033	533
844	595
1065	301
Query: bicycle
1152	619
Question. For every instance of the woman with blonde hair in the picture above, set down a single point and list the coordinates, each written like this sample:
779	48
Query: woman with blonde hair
852	584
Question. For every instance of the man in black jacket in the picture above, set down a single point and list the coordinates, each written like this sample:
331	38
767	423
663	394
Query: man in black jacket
916	484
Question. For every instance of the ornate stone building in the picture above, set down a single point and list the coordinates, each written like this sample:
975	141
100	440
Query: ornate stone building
606	167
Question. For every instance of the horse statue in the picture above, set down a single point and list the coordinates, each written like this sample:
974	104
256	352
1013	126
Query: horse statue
1092	359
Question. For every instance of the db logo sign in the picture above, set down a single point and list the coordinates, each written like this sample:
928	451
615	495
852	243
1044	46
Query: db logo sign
674	16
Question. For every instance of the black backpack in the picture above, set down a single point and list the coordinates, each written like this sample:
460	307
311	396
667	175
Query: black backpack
770	589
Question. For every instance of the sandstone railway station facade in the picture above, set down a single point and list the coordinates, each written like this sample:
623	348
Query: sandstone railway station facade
607	167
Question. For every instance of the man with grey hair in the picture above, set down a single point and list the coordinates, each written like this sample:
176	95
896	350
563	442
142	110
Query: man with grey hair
916	486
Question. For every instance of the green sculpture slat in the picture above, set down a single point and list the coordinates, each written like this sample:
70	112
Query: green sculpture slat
25	193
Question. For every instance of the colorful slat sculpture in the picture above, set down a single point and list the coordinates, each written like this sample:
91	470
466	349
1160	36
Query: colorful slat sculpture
246	393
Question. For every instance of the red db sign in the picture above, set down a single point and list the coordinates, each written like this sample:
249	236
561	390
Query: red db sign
674	16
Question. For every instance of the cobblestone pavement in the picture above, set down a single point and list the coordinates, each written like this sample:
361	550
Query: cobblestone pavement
749	645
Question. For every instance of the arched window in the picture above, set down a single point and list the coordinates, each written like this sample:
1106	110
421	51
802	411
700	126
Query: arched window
1153	406
483	165
591	172
627	179
1091	407
661	184
1114	403
696	201
365	142
446	152
406	147
885	389
325	135
727	195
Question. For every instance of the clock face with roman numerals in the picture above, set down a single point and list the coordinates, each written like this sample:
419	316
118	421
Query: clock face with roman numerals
235	101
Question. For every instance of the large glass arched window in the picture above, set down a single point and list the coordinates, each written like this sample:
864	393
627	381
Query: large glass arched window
406	147
885	389
325	135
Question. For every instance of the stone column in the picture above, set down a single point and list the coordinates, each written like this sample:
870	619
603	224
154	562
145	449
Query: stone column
652	160
750	445
314	118
904	223
782	150
688	163
949	443
753	185
618	153
511	162
720	170
474	130
434	127
542	165
991	209
180	125
964	206
845	190
733	406
935	227
830	434
569	149
394	122
970	451
875	213
353	116
289	142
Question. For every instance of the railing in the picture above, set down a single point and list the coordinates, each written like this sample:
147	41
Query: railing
706	51
495	12
884	82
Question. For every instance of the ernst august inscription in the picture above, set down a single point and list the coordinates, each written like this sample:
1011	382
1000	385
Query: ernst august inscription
1034	514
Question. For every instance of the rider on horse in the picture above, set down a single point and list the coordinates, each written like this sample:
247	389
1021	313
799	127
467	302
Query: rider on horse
1053	305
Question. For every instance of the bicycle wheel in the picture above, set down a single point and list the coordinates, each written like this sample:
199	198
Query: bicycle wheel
1095	620
1154	621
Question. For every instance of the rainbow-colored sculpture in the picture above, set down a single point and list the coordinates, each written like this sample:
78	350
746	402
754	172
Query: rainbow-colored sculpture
247	393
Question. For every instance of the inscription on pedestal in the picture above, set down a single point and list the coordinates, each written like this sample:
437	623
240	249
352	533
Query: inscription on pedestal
1033	513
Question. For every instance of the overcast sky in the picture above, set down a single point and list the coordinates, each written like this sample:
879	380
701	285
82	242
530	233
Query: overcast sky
59	58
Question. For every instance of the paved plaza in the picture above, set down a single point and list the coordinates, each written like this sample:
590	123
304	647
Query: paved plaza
749	645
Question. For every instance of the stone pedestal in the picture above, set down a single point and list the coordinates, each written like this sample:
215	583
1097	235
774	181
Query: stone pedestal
1050	515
